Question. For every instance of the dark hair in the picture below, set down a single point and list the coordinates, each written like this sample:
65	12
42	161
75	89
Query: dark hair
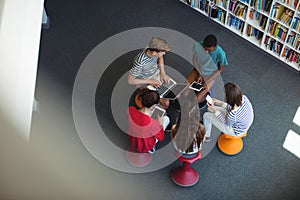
191	130
233	94
149	97
210	41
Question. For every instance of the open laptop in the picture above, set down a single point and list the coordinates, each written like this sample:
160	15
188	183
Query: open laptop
171	90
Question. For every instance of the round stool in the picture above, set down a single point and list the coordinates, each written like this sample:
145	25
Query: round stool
231	145
138	159
186	176
138	100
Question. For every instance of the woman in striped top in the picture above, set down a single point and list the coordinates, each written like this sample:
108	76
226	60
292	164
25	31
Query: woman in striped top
233	117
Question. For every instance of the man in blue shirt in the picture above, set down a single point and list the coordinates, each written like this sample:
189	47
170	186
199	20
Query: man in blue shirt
209	58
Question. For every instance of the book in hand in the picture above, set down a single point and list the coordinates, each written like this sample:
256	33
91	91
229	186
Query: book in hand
157	112
196	86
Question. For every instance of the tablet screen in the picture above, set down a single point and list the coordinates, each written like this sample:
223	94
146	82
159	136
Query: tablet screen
157	111
196	86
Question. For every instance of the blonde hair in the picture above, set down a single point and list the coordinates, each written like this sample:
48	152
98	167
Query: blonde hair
158	44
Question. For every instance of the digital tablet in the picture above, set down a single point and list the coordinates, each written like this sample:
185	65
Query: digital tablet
157	111
196	86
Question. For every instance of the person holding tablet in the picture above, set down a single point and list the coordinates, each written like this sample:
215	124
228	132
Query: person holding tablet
232	117
143	131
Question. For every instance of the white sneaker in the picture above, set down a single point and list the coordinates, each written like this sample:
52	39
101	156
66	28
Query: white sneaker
207	139
151	151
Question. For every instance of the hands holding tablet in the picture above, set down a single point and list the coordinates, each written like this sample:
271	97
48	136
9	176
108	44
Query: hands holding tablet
212	102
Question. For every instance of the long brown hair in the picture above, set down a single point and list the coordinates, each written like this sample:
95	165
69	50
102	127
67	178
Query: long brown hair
189	131
233	94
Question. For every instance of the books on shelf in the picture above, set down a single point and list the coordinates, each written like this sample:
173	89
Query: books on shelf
272	25
262	5
235	22
296	24
253	32
286	16
273	45
290	55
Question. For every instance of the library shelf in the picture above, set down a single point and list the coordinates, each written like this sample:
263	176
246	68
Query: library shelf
271	25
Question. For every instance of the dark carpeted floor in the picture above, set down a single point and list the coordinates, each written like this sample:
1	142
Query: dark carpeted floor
263	170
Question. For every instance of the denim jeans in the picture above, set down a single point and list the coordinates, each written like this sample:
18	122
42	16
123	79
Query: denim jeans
210	119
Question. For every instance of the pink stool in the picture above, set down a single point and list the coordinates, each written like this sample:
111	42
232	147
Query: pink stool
185	175
138	159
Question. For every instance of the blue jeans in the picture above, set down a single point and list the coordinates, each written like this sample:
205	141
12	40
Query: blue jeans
210	119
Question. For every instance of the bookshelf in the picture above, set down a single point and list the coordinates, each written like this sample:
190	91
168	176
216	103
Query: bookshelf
272	25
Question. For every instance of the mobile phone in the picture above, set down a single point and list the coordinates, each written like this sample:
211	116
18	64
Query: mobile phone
196	86
209	100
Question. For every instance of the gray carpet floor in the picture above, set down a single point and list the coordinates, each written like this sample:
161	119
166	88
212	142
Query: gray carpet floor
65	169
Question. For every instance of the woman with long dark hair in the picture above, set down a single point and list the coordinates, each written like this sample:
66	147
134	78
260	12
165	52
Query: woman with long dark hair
232	117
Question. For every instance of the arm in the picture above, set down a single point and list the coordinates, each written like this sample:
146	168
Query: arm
161	64
217	113
213	77
132	80
195	63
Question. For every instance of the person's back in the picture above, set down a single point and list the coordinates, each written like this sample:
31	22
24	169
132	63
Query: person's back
242	117
143	131
188	135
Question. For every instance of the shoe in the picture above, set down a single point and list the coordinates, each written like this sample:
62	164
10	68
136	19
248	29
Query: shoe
207	139
151	151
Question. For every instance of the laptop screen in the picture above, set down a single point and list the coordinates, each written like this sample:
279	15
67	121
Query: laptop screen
176	90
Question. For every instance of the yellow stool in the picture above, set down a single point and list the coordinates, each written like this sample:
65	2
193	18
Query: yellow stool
231	145
138	100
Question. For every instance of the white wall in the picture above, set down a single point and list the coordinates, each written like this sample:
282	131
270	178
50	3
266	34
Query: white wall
20	29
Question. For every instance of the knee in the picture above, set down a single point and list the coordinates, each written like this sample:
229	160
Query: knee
166	120
206	115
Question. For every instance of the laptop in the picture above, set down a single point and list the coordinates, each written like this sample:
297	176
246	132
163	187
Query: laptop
171	90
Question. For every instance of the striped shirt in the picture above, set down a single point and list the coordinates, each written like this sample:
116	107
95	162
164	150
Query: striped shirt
240	119
143	65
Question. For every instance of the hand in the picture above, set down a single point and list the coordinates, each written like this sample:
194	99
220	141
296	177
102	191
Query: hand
165	78
217	102
212	108
155	83
199	79
160	120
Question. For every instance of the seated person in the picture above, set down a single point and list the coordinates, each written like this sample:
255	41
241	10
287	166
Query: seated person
233	117
143	131
148	66
188	137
